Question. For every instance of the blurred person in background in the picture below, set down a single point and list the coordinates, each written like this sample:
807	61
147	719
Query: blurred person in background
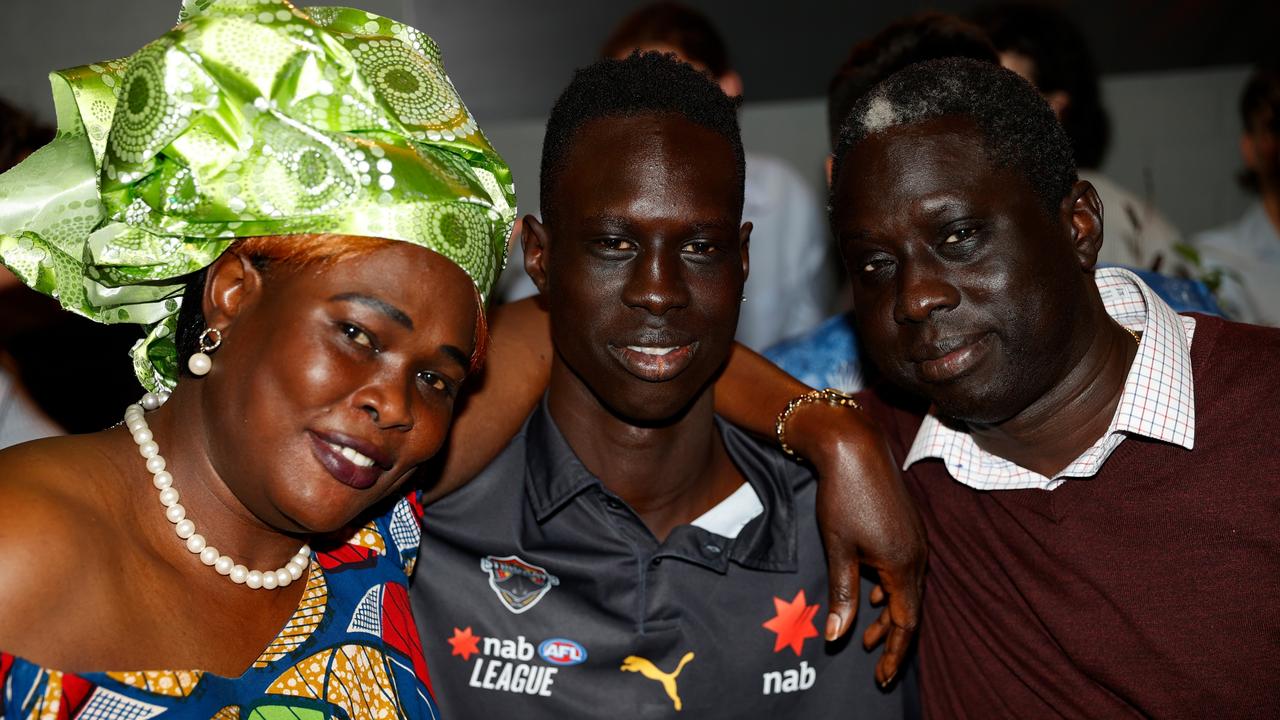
1043	45
20	419
47	387
1245	255
792	280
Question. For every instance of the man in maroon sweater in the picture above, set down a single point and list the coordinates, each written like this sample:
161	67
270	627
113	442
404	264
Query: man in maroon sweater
1097	474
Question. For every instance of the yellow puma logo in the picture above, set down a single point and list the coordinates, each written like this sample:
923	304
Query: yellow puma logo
635	663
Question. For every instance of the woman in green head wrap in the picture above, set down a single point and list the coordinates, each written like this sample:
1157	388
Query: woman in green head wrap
299	208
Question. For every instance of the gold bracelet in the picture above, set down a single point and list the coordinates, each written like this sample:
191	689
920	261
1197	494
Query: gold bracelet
829	395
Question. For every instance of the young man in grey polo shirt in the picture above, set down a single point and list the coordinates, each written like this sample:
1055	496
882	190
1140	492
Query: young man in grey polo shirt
630	553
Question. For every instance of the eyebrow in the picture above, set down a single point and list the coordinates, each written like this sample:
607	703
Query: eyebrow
378	304
718	224
455	353
942	204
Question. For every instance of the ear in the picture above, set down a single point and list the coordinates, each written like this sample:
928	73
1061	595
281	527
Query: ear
535	241
1249	151
1083	210
744	246
731	84
231	285
829	163
1059	101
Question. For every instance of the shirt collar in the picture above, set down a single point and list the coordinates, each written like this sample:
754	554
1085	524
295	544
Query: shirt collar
555	476
1158	400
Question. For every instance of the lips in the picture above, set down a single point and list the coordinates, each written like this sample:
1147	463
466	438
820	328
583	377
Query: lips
951	357
654	361
351	461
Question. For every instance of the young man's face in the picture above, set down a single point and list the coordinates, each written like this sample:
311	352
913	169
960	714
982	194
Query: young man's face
642	262
964	286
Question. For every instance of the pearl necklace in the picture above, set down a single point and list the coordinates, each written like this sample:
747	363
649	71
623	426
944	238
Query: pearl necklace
184	527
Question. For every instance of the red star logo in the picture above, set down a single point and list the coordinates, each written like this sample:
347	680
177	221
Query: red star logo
464	643
793	623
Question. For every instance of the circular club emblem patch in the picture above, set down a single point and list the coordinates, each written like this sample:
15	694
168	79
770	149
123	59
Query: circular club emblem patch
562	651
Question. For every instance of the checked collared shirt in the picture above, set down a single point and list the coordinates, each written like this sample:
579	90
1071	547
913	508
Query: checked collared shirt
540	594
1158	400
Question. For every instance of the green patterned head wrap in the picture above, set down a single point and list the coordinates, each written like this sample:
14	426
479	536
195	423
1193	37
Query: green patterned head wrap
249	118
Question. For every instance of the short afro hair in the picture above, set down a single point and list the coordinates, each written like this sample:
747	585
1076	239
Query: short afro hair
1061	62
926	36
1019	129
645	83
677	26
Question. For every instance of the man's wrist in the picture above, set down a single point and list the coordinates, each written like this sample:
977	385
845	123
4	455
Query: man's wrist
822	428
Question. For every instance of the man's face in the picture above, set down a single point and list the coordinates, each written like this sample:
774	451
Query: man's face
965	288
642	263
1260	147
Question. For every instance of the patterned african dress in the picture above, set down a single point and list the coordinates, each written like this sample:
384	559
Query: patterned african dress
350	651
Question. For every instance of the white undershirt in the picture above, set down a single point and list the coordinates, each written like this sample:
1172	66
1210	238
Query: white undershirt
733	513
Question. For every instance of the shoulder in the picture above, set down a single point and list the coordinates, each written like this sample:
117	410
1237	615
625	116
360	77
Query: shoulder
1222	339
897	412
487	488
1230	341
49	516
1222	237
759	460
1233	365
1236	236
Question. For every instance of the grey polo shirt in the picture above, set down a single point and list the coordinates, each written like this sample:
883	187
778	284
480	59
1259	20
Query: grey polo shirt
540	594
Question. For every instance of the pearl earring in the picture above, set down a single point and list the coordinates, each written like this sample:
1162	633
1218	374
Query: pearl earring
200	363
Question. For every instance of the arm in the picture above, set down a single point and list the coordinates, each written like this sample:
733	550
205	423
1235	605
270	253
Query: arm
515	375
864	510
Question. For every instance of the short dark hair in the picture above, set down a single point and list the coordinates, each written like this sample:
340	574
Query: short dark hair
925	36
675	25
1018	128
1260	102
645	83
1062	63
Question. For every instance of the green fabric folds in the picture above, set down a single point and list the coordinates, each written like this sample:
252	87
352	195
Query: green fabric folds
248	118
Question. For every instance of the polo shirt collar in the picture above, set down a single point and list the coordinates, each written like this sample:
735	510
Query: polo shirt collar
555	476
1158	399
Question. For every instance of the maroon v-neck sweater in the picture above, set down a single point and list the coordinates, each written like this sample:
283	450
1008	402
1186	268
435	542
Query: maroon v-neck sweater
1150	589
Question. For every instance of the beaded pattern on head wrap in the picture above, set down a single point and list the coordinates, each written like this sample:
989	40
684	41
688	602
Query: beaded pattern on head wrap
250	117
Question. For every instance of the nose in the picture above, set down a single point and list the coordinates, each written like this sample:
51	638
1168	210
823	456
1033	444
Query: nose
923	289
657	283
387	402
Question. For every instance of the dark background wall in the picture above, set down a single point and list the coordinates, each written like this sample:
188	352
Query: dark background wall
1172	71
509	58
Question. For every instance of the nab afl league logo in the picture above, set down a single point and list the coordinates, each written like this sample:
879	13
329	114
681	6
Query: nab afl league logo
518	584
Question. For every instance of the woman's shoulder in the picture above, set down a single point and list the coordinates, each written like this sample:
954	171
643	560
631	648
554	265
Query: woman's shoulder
51	515
51	475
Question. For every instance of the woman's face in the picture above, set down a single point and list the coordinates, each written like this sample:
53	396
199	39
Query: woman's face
334	381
